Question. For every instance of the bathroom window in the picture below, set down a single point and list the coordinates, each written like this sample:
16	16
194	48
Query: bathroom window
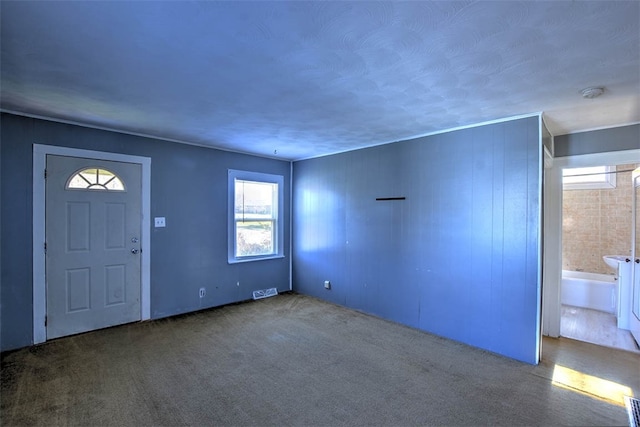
590	178
255	220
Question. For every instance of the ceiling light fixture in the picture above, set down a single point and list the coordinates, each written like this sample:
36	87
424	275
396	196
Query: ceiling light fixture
592	92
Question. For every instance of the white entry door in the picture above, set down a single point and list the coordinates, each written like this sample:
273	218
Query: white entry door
92	226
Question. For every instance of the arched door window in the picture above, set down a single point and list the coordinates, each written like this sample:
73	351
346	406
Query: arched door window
95	179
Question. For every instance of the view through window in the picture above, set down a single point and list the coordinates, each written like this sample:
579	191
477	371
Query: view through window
595	177
255	224
255	215
95	179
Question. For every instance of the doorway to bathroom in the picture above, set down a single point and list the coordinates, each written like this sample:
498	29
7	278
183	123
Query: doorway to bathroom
597	253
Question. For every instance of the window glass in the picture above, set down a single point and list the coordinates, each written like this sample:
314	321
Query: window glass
255	215
595	177
255	223
95	179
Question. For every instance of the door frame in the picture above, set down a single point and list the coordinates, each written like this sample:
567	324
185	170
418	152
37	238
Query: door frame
634	321
551	308
40	153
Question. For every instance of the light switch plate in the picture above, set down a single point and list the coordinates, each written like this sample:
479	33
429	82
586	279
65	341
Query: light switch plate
160	221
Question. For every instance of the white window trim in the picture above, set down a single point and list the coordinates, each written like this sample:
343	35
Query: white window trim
234	174
608	183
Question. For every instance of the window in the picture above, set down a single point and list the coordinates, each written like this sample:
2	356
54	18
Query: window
94	179
595	177
255	220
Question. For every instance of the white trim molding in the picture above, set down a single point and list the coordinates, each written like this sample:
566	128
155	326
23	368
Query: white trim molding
597	159
278	219
553	218
40	153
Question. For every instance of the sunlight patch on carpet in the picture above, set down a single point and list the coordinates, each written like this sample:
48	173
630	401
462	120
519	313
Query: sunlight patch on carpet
591	386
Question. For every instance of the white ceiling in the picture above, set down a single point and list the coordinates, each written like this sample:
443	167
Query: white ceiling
311	78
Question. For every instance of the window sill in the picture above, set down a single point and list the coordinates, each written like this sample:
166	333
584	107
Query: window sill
589	186
254	258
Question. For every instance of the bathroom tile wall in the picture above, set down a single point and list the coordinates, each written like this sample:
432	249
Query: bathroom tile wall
597	223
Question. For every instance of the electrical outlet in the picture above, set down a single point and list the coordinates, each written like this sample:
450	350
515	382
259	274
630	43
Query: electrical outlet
159	221
203	292
327	284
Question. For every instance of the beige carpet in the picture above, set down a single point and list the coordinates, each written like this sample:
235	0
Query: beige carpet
295	360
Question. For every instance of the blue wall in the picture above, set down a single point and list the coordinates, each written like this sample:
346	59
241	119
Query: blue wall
188	187
458	258
598	141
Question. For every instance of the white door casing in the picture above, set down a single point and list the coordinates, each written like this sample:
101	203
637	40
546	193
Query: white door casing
634	317
553	215
93	244
40	153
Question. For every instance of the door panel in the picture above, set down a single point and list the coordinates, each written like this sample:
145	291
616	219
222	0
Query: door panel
78	289
115	227
93	251
78	233
115	284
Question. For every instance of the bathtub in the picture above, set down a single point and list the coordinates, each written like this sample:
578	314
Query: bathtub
589	290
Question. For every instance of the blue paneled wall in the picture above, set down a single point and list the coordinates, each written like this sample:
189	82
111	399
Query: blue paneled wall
459	257
188	186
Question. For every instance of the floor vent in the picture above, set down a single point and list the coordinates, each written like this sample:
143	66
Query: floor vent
265	293
633	408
